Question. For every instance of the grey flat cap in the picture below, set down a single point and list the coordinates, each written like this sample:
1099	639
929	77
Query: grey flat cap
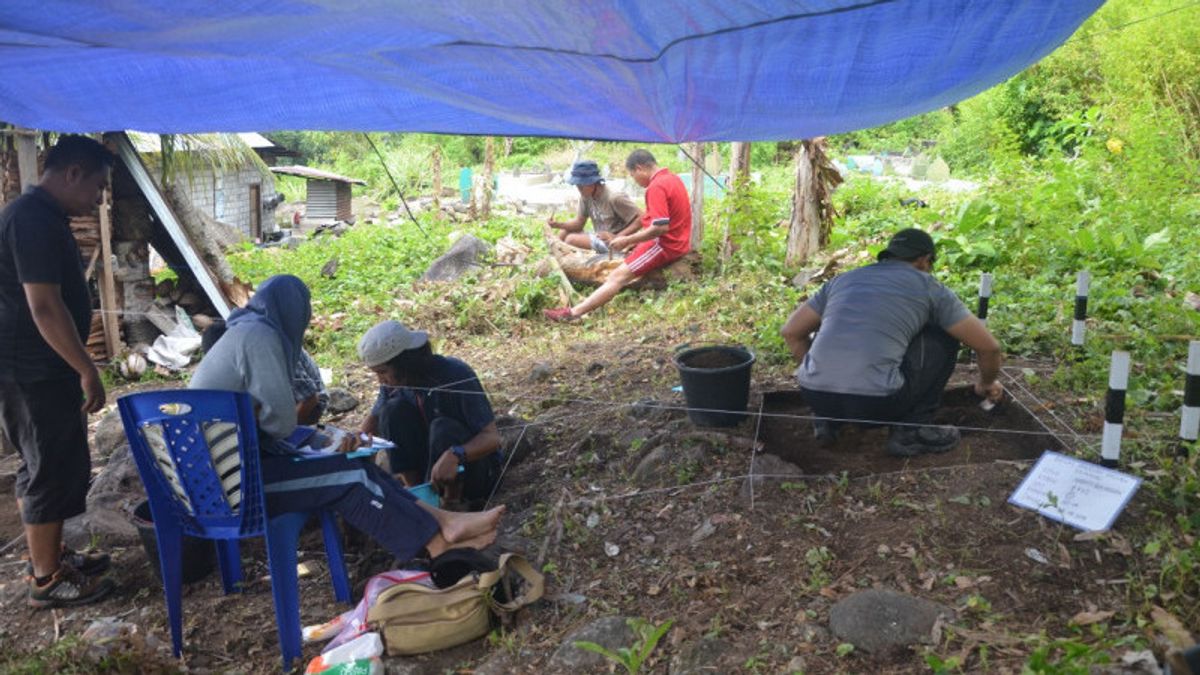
386	340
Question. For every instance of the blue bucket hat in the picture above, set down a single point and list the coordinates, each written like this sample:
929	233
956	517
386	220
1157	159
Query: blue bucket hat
586	172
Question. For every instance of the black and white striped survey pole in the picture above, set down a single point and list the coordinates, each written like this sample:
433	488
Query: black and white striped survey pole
1082	281
1114	409
1189	424
985	294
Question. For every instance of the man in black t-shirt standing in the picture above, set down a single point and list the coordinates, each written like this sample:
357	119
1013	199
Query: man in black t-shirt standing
46	375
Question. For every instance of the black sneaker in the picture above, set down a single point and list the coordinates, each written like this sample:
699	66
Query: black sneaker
910	441
825	432
89	564
68	588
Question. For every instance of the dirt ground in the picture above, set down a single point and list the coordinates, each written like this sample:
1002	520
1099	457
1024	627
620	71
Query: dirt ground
749	574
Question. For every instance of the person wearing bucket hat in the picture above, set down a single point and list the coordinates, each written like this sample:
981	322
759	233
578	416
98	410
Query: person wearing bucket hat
434	409
613	214
887	339
664	237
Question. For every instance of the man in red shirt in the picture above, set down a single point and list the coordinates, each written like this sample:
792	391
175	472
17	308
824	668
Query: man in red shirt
665	235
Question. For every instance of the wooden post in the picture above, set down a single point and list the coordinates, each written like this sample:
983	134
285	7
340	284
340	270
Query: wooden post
489	171
27	157
698	178
108	284
739	161
437	181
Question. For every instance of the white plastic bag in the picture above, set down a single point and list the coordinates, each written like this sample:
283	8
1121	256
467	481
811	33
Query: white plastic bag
353	623
365	647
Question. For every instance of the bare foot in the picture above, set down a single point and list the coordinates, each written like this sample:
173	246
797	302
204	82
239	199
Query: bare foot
459	527
438	545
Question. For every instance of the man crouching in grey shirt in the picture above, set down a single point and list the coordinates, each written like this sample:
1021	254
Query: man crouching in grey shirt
887	342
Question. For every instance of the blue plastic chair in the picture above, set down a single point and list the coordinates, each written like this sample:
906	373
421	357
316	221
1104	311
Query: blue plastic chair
197	454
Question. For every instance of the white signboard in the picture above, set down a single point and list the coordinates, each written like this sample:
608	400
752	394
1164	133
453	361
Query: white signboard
1081	494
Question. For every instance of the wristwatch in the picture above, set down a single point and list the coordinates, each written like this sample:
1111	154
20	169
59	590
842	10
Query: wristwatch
460	452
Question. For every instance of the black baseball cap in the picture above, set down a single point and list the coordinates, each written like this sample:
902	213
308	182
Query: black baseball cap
907	244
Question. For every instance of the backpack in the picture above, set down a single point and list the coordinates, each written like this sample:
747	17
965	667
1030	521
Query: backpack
415	619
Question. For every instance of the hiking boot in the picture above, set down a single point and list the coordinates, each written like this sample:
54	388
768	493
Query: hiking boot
825	433
89	564
68	588
921	440
562	314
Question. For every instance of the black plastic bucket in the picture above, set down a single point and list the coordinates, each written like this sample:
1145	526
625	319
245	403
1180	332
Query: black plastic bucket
199	555
716	383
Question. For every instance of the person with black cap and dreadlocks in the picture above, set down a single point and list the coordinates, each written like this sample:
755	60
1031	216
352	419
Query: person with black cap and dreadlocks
886	340
613	214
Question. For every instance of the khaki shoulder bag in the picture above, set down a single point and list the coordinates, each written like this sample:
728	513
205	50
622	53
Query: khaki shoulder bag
414	619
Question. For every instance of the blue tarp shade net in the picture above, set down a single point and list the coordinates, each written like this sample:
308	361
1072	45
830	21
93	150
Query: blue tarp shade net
646	70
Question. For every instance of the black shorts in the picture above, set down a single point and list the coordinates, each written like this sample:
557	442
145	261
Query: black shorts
45	422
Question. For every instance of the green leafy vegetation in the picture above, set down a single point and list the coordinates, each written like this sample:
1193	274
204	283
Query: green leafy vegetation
646	637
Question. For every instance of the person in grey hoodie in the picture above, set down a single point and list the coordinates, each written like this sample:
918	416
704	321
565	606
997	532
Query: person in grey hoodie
258	355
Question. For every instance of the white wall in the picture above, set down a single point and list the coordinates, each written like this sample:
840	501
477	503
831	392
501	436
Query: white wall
228	199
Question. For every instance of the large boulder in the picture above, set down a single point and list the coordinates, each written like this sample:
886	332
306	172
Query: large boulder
341	401
878	621
768	467
110	434
611	632
701	656
659	465
462	256
114	493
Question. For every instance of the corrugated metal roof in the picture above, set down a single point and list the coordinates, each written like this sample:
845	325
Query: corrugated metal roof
147	143
315	174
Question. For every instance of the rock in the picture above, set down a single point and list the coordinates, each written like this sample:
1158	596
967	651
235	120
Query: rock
462	256
519	438
939	171
768	467
106	634
654	467
541	371
814	634
403	666
877	621
1132	663
110	434
611	632
503	663
701	656
114	493
706	530
647	408
797	665
341	401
